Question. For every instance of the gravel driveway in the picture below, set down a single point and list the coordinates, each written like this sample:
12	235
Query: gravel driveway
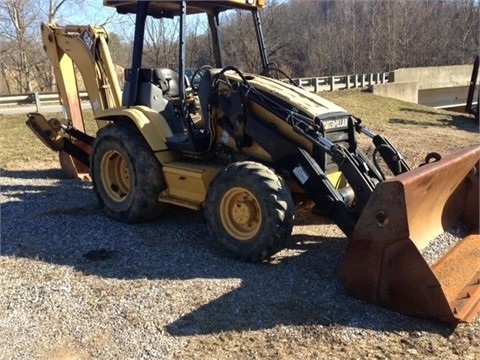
77	285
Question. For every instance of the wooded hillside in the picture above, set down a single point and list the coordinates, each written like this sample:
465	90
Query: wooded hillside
304	37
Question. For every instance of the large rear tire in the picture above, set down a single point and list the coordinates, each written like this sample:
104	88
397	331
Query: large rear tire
127	177
250	211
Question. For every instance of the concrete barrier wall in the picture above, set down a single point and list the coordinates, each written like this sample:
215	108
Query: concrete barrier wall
406	91
439	86
434	77
452	96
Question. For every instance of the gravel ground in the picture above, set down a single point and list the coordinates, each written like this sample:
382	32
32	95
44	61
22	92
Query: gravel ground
77	285
444	242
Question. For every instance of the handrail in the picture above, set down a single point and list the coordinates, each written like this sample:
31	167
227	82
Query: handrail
339	82
34	98
315	84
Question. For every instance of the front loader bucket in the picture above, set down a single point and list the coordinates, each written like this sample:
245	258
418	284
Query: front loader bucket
408	216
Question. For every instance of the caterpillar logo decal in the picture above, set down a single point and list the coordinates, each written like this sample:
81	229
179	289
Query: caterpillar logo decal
335	123
89	42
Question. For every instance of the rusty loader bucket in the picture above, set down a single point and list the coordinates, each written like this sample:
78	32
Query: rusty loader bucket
406	217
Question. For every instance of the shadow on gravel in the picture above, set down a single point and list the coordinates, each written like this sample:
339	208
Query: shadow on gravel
298	291
57	174
57	220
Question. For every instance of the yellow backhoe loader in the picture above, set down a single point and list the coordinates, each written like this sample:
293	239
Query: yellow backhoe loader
246	147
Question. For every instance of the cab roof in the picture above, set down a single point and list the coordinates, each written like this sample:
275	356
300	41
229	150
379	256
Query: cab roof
169	9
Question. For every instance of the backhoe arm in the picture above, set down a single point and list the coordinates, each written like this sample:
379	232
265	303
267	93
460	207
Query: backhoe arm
73	51
82	48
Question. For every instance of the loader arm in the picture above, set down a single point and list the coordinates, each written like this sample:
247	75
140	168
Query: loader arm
350	161
299	141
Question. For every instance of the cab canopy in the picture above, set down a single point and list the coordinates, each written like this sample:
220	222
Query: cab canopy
169	9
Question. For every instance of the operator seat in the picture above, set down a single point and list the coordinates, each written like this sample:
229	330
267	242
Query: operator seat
156	87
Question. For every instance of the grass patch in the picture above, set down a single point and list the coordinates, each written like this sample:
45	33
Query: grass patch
378	110
21	149
414	129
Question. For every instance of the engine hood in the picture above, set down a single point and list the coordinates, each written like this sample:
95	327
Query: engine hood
300	100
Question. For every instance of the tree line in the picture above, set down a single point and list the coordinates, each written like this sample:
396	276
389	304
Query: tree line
303	37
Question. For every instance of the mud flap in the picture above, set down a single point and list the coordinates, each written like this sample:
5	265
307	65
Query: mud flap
384	263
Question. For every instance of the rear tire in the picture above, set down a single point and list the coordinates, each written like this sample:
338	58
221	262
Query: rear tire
126	176
250	211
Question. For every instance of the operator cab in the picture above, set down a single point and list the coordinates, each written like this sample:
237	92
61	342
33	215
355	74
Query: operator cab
160	88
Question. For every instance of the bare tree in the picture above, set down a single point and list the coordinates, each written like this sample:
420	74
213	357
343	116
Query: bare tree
306	38
17	18
161	42
198	43
23	62
53	8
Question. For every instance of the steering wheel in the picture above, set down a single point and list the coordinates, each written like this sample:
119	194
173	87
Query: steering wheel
239	73
199	71
274	67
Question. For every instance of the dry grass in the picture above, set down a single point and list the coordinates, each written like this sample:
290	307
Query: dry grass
20	148
415	129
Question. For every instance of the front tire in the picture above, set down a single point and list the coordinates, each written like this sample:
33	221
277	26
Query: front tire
250	211
126	176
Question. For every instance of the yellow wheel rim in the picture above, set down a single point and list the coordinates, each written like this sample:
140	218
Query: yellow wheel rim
240	213
115	175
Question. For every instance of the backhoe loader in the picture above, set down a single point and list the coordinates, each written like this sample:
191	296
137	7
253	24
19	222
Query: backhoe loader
247	148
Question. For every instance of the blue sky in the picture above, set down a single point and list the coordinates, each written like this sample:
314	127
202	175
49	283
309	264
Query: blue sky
95	13
91	12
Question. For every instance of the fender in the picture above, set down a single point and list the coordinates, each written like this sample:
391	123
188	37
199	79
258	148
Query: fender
152	125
